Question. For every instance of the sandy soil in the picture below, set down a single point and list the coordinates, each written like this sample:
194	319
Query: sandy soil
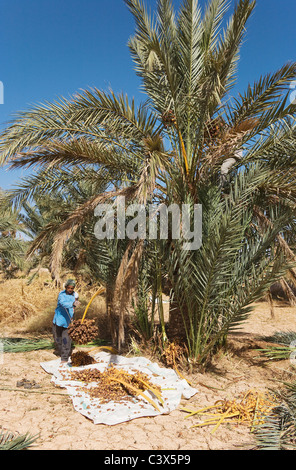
48	411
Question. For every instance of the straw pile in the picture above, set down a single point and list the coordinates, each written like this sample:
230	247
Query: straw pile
30	306
21	303
251	409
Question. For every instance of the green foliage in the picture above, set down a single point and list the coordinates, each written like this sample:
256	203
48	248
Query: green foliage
234	267
284	351
191	142
10	441
12	244
15	345
278	432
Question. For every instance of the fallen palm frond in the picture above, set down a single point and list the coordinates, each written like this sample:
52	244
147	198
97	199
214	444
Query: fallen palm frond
286	345
251	409
26	390
15	345
278	431
277	353
280	337
11	441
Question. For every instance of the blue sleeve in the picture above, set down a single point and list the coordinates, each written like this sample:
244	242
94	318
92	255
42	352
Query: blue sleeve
65	300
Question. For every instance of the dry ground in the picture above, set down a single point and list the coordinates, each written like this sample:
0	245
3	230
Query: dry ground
48	411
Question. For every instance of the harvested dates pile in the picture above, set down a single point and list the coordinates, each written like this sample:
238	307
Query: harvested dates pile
83	333
81	358
116	384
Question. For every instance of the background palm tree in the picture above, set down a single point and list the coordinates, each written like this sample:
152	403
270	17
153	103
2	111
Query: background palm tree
12	244
190	142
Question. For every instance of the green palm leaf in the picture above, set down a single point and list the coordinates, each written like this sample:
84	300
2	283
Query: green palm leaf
10	441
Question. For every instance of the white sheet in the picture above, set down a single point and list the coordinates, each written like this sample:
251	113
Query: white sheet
172	389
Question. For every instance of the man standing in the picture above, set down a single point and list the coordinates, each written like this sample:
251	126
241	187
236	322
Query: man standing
63	316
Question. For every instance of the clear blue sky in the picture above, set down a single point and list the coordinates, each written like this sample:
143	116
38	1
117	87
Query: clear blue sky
53	48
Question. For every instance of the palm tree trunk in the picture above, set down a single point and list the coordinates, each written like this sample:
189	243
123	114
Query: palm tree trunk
109	298
177	319
160	305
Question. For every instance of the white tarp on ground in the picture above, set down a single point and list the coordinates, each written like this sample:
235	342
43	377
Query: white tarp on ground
173	388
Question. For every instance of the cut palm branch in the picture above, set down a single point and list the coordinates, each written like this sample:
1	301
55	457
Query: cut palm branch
251	409
101	290
277	353
115	383
137	392
151	389
285	345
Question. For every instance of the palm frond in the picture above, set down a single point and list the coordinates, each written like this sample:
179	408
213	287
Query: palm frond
228	48
214	14
261	97
206	283
278	431
12	441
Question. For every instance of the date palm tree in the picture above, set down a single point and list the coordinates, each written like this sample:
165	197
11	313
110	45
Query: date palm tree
12	244
190	142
